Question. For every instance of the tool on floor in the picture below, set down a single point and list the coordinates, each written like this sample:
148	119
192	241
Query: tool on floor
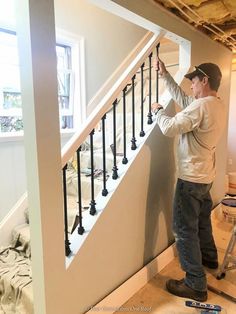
208	311
222	293
209	308
228	258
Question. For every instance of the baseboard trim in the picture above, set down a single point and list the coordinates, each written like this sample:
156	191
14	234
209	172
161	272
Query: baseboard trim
122	294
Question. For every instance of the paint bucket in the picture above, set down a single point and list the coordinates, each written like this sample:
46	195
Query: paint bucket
228	206
226	184
232	183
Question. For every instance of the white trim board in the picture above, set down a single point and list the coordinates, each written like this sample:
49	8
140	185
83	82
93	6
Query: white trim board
122	294
14	217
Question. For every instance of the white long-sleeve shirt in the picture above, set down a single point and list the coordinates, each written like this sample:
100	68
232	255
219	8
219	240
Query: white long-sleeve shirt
199	125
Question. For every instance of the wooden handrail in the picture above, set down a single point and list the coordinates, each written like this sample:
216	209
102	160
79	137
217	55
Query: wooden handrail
110	91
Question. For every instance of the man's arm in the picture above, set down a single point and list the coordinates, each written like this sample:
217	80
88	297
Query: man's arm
174	89
183	122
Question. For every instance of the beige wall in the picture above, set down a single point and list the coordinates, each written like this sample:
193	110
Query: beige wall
144	213
134	227
136	224
232	126
203	50
108	38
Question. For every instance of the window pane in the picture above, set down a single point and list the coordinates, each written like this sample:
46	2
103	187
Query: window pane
11	100
9	74
66	122
64	77
63	83
11	124
64	102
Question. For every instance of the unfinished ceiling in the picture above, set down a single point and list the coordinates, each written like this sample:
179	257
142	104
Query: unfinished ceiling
216	18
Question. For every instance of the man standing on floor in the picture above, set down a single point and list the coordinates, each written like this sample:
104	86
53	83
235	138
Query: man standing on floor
199	126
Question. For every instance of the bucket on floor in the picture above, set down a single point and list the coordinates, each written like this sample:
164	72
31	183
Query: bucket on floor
228	206
232	183
226	184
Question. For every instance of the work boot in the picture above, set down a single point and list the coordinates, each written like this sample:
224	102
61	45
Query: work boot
179	288
210	264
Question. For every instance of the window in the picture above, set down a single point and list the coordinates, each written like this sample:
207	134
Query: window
10	96
65	80
10	93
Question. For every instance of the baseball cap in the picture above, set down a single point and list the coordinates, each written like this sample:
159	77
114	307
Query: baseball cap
210	70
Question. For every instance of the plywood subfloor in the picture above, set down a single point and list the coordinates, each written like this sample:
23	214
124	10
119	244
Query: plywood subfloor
153	298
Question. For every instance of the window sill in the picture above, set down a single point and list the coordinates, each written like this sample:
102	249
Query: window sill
11	136
19	136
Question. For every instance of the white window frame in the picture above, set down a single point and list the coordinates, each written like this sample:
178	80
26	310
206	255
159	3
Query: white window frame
78	97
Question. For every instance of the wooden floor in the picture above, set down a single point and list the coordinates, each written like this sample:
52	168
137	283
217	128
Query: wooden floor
153	298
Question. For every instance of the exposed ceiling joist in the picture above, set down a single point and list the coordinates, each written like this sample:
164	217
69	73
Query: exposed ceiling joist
216	18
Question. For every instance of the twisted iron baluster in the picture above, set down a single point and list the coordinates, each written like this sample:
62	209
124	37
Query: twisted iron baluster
67	242
92	203
124	160
80	228
114	169
133	141
157	78
150	90
104	191
142	133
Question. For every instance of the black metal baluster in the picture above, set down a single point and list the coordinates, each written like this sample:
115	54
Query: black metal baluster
133	141
142	133
124	160
104	191
150	90
114	169
80	228
92	203
157	78
67	242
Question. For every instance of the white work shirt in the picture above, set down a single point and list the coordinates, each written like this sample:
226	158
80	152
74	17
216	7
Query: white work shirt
200	125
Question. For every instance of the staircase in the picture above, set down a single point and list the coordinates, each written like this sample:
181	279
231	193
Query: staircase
90	161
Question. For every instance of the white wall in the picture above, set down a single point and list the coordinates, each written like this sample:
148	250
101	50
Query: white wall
12	169
232	126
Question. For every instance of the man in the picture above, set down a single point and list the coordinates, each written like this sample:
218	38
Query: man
199	126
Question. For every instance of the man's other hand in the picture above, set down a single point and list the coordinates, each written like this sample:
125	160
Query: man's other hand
156	107
160	66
